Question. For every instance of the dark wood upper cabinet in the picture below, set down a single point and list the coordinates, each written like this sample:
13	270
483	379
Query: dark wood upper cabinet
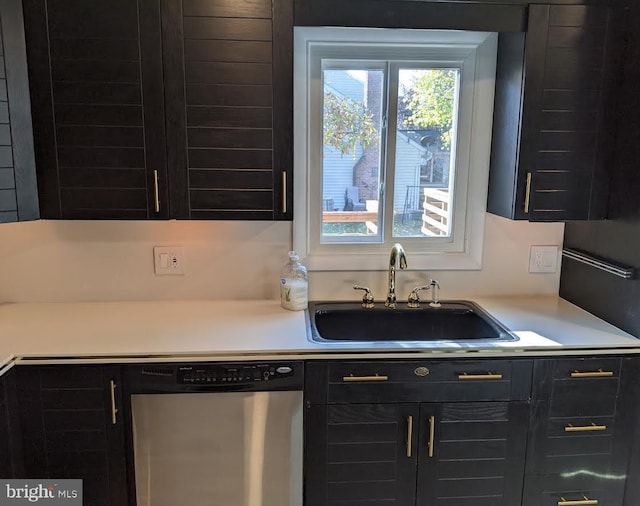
228	70
18	187
155	109
448	15
554	114
95	71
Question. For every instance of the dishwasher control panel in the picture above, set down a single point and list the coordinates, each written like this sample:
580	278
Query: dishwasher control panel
216	376
207	374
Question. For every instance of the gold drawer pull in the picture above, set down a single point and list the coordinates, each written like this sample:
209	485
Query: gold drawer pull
284	192
409	435
487	376
585	428
592	374
580	502
114	410
377	377
156	193
432	432
527	194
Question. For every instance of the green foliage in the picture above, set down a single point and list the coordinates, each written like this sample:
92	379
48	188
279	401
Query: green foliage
428	102
347	124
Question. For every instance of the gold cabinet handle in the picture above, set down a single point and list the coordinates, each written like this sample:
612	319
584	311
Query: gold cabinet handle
114	410
592	374
487	376
580	502
432	432
409	434
156	194
527	194
585	428
284	191
377	377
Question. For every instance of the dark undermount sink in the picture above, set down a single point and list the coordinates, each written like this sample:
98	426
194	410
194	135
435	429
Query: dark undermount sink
454	320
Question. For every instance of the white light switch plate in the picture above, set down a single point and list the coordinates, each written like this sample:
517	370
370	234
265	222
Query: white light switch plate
543	259
168	260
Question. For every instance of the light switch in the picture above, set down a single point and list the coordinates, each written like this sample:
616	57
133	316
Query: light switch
543	259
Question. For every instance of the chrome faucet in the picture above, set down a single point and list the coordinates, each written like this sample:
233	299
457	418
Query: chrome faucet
397	258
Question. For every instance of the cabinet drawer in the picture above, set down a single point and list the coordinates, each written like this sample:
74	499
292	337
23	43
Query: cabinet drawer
589	444
565	379
578	369
580	429
582	404
577	490
597	388
419	381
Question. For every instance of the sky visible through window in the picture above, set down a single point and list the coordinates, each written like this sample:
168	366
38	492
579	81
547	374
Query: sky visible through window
415	154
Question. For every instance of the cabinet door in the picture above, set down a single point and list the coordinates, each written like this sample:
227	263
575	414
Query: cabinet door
228	70
471	453
71	428
7	431
98	108
6	470
567	138
361	454
554	166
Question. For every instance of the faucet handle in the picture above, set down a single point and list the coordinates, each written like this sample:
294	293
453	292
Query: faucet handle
413	301
367	297
435	302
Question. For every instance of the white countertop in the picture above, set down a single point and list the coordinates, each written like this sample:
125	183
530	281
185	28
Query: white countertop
209	330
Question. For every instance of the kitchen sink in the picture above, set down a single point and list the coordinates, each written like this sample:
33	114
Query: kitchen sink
458	320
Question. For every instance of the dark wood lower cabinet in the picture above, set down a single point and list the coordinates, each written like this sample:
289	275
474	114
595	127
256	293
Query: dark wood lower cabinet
581	431
574	489
560	433
565	435
71	429
427	454
361	454
478	453
8	429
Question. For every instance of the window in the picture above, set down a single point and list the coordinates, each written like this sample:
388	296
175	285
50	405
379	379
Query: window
392	140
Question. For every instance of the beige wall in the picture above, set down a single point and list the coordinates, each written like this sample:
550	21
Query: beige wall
81	260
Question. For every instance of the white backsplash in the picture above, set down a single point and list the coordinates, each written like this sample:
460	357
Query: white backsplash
61	261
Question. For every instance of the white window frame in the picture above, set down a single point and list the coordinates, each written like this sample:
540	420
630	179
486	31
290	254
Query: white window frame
475	54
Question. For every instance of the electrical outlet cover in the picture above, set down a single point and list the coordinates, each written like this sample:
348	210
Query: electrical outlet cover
543	259
168	260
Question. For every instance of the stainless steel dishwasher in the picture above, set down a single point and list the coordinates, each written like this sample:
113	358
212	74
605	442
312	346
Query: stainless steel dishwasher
217	434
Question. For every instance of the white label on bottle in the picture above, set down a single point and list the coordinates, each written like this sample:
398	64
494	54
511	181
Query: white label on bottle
293	294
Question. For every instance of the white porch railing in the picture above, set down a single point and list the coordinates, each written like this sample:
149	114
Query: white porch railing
435	214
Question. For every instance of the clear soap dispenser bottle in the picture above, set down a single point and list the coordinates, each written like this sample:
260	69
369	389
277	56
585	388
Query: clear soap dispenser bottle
294	284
